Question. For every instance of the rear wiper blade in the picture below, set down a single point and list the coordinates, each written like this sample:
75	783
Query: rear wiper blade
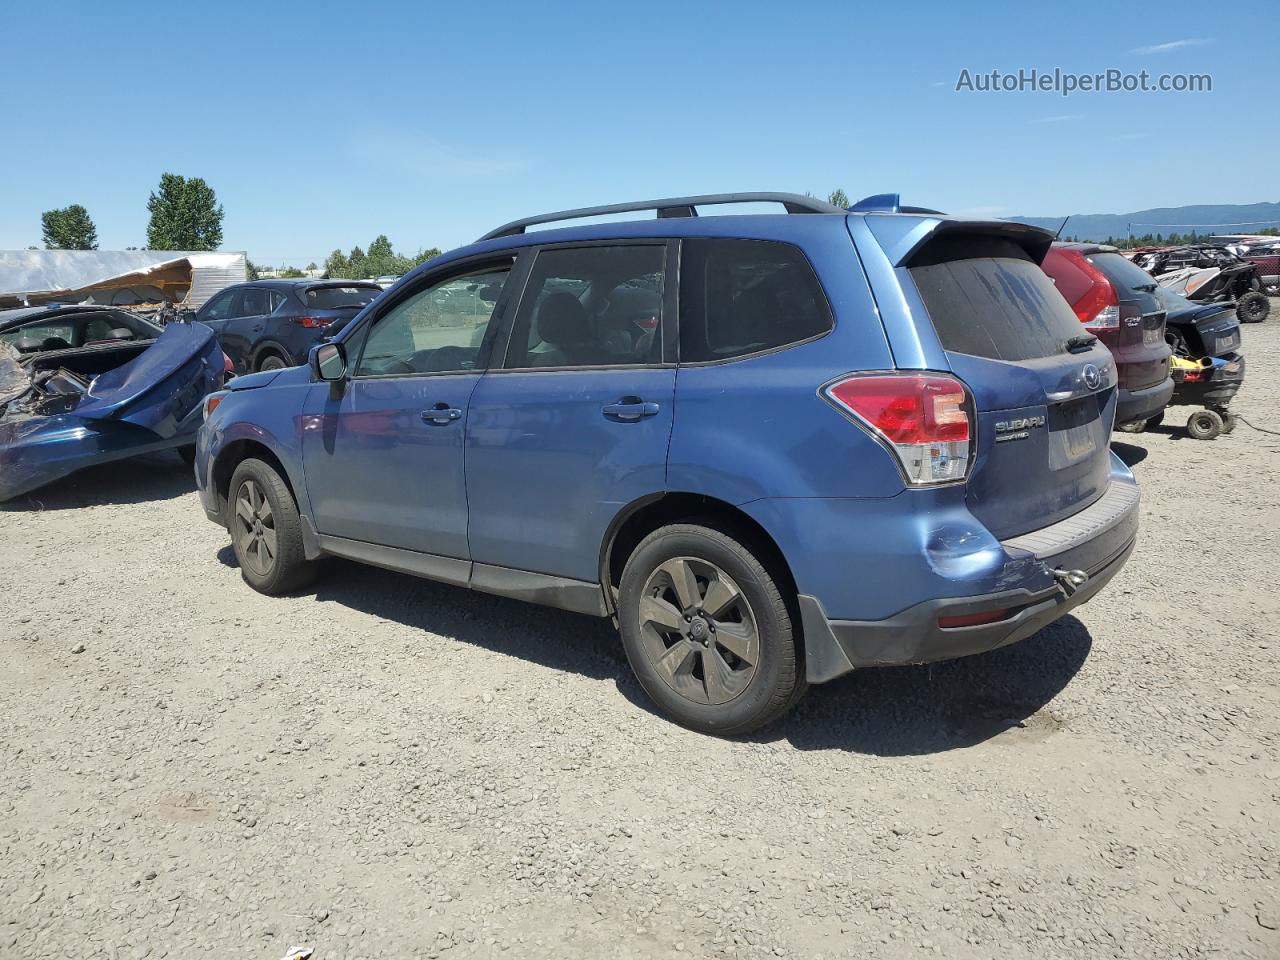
1147	287
1081	341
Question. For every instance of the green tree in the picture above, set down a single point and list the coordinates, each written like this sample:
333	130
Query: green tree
380	249
185	215
356	266
337	266
251	270
291	273
838	198
311	267
70	228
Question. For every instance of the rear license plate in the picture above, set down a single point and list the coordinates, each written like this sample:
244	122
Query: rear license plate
1074	430
1223	344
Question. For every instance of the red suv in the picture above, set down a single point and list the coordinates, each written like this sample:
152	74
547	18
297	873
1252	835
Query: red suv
1115	300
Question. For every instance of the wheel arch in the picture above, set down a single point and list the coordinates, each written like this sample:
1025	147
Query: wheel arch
642	516
236	452
266	347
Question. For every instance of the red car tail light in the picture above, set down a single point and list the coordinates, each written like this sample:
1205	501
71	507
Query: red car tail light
1099	308
311	323
924	418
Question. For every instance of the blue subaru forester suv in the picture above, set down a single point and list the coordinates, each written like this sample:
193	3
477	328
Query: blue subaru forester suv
773	448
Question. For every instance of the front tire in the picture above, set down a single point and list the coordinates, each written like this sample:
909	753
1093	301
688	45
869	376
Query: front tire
708	631
266	533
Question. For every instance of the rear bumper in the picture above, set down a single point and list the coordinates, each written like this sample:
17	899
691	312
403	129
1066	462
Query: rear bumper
1143	403
1097	540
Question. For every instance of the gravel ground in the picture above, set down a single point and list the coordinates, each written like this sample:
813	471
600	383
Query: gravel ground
385	767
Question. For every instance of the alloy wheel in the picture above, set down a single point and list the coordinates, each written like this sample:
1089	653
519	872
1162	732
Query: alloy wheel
698	630
255	529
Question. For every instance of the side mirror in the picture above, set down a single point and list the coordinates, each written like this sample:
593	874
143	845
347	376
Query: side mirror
328	362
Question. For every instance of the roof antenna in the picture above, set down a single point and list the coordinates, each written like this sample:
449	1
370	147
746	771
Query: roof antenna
1063	224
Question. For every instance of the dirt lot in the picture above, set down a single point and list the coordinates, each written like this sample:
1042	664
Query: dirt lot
384	767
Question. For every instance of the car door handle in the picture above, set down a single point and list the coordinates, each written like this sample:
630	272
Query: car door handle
629	409
441	414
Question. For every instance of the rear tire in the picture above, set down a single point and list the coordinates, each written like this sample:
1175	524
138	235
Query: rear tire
1204	424
266	533
1153	422
1253	307
1229	421
708	632
272	361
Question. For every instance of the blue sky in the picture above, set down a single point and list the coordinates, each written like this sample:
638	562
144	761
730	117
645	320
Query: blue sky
323	125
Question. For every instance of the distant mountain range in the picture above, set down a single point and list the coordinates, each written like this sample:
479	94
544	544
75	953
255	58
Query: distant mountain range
1204	219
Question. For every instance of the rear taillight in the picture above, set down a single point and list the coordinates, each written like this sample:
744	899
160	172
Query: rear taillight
312	323
924	418
1099	308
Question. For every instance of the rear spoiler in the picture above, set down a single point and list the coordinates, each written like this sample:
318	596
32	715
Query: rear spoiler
907	239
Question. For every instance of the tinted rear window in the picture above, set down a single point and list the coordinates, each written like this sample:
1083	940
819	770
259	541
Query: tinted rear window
335	298
739	297
999	307
1124	275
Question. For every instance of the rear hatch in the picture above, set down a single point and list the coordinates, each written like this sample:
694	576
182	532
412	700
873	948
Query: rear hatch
337	303
1138	343
1043	387
1200	329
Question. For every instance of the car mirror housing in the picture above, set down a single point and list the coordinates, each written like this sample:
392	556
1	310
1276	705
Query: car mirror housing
328	362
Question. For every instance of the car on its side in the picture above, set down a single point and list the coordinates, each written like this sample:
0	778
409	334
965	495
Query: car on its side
271	324
1115	299
774	448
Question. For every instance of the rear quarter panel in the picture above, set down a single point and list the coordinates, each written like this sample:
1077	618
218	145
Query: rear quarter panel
757	427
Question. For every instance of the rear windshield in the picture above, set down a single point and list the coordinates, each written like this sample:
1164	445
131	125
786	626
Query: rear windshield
1125	275
1001	307
335	298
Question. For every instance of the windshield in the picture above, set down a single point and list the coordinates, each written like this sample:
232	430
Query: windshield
335	298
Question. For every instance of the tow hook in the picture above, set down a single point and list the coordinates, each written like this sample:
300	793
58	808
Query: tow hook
1070	580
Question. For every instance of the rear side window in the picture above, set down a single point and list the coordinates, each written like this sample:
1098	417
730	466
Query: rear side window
1001	307
739	297
255	302
335	298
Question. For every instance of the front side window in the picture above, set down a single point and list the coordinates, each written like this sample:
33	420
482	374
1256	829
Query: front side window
739	297
591	307
439	329
219	308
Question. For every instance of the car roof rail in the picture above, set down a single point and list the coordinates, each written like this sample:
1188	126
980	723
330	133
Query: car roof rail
669	207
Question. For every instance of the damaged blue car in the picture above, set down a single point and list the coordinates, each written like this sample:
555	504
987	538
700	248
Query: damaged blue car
83	385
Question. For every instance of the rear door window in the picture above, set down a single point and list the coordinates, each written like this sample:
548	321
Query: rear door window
1001	307
597	306
740	297
254	302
